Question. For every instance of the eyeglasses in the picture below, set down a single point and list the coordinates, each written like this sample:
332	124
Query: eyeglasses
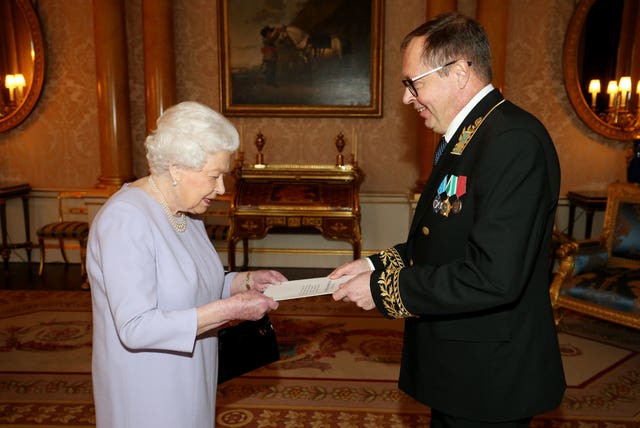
409	83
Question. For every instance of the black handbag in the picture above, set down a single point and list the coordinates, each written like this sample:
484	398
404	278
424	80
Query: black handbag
246	346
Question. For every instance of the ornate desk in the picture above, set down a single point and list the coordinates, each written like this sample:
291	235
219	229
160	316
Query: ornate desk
9	191
295	199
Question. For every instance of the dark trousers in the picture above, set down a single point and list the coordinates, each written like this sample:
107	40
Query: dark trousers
441	420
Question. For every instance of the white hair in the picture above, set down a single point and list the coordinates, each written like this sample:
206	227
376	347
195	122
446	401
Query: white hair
186	134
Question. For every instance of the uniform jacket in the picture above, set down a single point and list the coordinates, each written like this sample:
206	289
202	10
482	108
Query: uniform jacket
472	277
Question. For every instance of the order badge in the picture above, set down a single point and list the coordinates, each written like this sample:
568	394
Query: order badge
436	204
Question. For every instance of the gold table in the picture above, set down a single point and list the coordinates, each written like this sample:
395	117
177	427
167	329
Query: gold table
295	199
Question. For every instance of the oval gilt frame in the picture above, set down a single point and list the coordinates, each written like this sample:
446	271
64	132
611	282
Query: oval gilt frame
18	115
572	82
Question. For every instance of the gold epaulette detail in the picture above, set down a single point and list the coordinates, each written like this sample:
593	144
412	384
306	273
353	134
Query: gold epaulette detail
467	133
465	136
390	286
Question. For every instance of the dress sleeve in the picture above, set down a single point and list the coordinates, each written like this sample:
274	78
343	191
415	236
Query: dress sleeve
226	290
124	239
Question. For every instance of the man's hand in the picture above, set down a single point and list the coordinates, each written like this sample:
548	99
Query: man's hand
356	290
351	268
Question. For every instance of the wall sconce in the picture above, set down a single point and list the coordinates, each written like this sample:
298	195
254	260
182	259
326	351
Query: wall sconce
612	90
594	90
10	84
21	83
619	111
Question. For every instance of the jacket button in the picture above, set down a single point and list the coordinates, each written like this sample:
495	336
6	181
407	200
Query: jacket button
411	262
425	230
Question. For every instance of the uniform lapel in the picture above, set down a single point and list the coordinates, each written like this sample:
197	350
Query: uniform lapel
444	164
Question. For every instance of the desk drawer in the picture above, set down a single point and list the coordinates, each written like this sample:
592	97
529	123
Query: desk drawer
339	227
249	226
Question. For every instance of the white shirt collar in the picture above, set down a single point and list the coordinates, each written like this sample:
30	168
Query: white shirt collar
457	121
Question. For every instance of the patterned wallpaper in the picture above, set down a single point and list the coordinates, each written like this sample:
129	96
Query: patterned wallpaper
535	82
57	146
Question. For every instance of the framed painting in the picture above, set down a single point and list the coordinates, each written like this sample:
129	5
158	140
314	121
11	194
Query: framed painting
301	58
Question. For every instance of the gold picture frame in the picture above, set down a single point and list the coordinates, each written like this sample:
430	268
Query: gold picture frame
305	59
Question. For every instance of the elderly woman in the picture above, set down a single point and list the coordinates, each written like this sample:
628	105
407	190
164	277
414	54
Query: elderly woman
157	283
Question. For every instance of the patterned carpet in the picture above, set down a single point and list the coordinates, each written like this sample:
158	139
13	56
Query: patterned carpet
338	368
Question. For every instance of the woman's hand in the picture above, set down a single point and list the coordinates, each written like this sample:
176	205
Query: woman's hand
248	305
246	302
260	280
251	305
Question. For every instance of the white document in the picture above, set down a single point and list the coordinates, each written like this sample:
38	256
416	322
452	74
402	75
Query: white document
304	288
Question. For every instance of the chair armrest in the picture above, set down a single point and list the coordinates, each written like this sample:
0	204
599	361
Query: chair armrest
588	255
575	258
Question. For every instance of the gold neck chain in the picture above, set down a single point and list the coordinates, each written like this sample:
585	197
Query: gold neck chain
179	224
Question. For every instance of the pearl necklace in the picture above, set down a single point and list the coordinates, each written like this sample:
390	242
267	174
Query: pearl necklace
180	224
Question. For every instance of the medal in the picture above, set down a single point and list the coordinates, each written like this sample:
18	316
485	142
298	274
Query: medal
456	206
436	204
445	207
450	190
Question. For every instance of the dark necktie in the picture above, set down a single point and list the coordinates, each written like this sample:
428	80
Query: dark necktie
439	150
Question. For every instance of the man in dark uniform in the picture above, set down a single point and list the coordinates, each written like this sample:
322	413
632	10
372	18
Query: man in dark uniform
480	345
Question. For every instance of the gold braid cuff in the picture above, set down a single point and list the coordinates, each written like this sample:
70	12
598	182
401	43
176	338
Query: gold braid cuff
389	283
391	259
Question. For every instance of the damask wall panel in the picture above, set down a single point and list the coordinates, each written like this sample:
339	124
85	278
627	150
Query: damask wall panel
57	145
535	81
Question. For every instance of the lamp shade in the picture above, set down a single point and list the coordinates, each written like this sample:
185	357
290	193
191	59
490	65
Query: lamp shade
625	84
10	81
20	82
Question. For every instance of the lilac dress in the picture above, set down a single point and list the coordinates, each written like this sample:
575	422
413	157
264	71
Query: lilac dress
149	368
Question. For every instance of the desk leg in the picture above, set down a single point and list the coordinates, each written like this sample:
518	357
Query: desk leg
27	226
572	214
245	253
231	254
587	227
356	250
3	223
357	240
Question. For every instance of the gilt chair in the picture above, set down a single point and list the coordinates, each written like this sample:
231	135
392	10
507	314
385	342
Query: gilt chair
72	225
601	277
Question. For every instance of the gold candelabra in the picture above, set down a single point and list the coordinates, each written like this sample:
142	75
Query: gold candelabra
260	142
340	143
620	111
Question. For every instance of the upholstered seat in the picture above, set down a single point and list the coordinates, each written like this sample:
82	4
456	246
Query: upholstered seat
71	225
601	277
